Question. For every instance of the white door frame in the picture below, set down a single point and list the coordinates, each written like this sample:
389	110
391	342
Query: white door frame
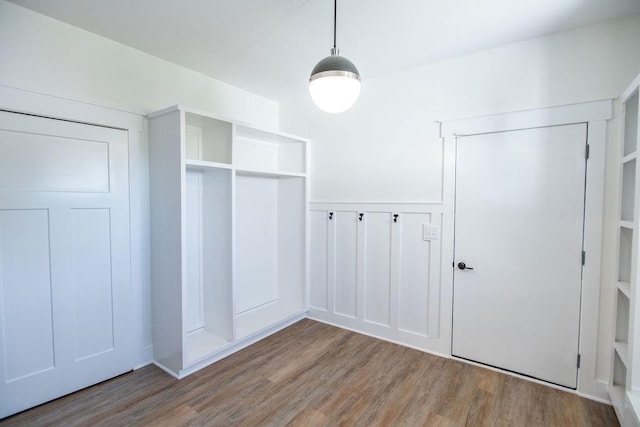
595	114
23	101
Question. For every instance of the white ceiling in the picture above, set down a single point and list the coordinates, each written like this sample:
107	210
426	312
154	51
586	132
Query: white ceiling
270	46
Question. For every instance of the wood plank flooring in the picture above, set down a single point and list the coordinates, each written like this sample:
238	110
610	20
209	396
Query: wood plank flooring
312	374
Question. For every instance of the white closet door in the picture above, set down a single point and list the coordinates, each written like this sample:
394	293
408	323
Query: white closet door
519	224
64	258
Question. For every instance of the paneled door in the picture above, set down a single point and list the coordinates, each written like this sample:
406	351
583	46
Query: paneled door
65	290
519	218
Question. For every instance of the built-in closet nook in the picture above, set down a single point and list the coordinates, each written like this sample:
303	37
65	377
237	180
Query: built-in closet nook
229	207
626	345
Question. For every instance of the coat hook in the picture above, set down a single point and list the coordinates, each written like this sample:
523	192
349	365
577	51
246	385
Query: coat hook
395	217
330	216
360	216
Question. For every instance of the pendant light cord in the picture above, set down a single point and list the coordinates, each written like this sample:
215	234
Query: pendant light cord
335	18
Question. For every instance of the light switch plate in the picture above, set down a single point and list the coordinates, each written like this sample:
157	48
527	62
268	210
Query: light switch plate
430	232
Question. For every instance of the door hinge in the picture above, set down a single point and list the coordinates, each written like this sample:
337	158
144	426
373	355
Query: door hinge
584	257
586	155
578	364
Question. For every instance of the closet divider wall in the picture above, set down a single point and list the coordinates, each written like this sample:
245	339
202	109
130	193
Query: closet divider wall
229	207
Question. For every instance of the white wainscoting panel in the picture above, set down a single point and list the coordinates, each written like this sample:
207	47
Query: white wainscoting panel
414	281
380	270
377	270
319	236
345	241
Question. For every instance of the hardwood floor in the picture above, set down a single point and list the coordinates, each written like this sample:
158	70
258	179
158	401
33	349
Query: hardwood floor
311	374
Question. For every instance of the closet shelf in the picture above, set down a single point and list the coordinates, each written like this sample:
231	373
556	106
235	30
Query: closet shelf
279	174
625	288
633	397
203	164
629	157
622	348
626	224
201	344
616	393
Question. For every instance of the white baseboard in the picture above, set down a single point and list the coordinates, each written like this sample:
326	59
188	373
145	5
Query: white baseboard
599	394
144	357
245	342
311	316
167	370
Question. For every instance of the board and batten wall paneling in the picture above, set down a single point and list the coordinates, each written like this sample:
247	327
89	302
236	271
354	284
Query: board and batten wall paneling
345	241
417	304
319	281
376	272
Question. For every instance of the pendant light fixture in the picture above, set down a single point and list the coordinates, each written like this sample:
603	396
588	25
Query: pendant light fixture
334	84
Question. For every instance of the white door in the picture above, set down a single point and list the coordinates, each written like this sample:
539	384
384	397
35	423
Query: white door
64	258
519	217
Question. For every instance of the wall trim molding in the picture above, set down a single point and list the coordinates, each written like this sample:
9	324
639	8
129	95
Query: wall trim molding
382	206
385	312
540	117
351	202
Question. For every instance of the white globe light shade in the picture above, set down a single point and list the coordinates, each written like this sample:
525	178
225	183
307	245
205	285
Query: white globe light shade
334	84
334	94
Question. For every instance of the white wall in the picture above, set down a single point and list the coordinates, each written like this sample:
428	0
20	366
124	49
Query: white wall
48	56
386	149
40	54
